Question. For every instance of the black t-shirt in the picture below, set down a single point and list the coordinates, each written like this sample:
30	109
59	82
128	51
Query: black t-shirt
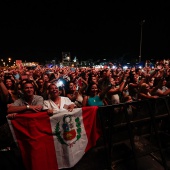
3	109
3	112
6	138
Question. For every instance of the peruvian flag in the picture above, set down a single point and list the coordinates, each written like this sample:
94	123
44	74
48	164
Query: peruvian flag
60	141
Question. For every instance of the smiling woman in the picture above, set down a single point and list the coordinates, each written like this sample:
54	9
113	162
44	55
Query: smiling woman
56	102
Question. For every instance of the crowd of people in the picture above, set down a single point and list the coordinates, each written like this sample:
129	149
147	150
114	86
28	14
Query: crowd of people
84	86
53	89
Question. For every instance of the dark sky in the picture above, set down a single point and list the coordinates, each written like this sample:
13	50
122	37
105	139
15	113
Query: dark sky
109	29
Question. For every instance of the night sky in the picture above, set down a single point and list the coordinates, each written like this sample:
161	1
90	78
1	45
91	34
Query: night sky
35	31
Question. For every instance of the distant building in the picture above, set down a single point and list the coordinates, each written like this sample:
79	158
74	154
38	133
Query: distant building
67	61
30	65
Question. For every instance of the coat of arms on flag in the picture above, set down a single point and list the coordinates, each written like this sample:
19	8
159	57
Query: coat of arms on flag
72	130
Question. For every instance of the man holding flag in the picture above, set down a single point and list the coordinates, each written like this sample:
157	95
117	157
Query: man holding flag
28	103
58	141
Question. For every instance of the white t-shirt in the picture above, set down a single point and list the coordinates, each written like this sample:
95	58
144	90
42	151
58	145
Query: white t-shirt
115	99
49	104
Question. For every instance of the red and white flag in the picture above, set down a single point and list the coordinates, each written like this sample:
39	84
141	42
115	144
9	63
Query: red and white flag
60	141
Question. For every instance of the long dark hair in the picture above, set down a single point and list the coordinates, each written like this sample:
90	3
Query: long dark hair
89	87
13	82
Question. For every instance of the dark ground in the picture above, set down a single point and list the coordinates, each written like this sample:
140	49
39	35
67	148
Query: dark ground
96	158
122	159
148	156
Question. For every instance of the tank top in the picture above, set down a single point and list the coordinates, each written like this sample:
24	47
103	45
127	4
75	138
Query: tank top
95	101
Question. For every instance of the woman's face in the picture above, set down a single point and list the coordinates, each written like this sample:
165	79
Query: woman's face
94	88
8	82
112	81
53	90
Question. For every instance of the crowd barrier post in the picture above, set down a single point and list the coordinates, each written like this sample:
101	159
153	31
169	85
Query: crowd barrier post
152	110
107	115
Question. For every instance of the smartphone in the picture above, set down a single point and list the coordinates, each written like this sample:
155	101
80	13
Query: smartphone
17	76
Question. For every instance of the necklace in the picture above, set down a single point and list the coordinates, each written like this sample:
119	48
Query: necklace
57	103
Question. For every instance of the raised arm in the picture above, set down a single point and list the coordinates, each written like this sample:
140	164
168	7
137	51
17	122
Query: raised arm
120	88
4	91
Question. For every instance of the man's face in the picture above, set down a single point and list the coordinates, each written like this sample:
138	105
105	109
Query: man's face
28	89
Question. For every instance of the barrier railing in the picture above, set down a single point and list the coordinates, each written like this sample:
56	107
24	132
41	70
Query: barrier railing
146	120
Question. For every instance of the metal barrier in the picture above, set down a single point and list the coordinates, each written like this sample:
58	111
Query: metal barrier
131	122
